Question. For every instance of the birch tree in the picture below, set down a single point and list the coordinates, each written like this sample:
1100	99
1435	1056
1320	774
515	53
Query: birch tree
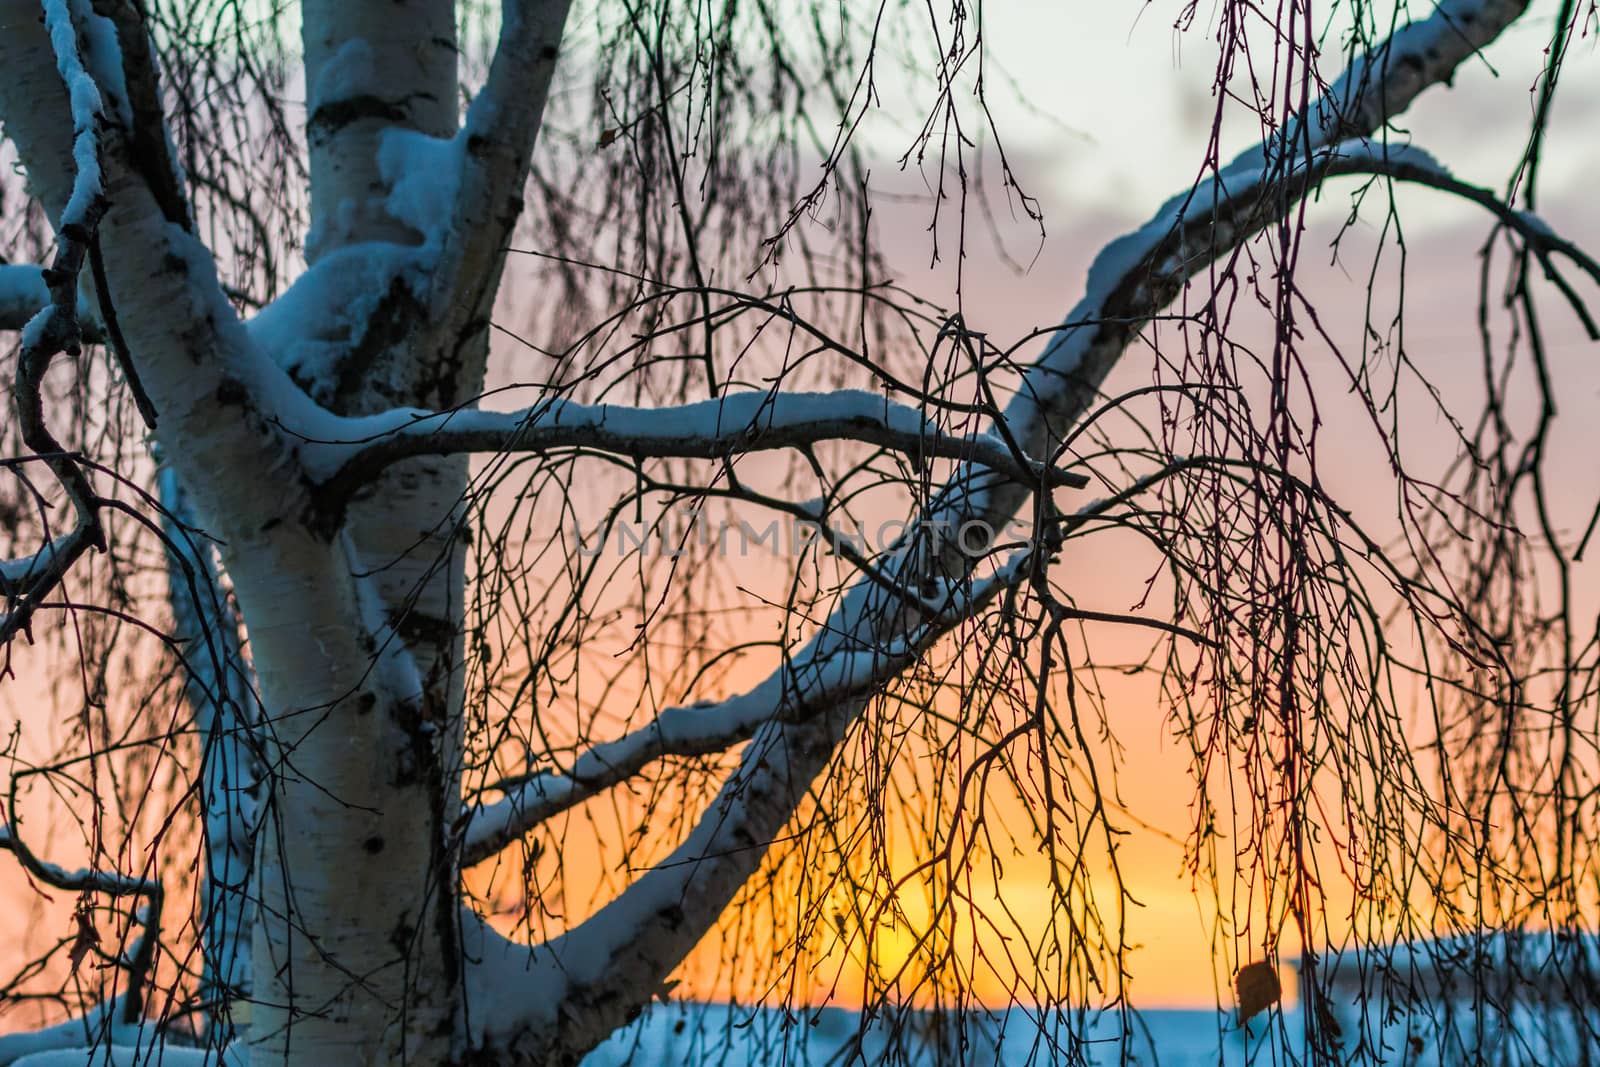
254	424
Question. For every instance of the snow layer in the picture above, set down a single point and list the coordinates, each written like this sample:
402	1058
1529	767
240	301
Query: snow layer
423	175
351	72
103	59
314	321
75	1033
699	428
725	1036
134	1056
84	98
33	332
734	1037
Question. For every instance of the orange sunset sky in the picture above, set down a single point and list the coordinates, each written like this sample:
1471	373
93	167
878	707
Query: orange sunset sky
1127	108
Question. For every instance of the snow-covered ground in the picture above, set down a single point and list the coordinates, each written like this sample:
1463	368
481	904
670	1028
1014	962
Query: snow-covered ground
720	1036
728	1037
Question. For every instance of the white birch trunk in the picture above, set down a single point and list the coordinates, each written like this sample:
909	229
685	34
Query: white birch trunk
359	892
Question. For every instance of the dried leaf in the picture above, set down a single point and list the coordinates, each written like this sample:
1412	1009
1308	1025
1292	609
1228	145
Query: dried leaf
1257	987
86	938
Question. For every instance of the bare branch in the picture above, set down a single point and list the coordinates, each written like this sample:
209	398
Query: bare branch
1410	165
141	954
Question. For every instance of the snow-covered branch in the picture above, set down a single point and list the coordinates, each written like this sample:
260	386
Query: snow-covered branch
127	72
813	681
805	685
23	292
646	931
54	330
218	395
141	953
385	159
317	330
1138	274
808	684
83	207
1382	83
83	880
1409	164
502	125
27	581
411	217
542	1004
707	429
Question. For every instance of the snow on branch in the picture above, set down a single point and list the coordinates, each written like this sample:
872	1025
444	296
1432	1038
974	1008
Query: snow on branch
83	208
1381	84
1136	275
645	932
83	880
1409	164
501	127
54	330
707	429
141	954
542	1003
818	678
27	581
215	386
23	292
121	56
808	684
